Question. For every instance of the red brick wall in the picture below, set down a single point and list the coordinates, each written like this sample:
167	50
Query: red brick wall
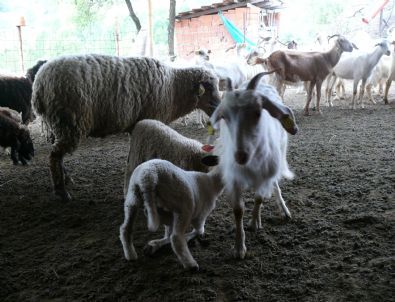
209	32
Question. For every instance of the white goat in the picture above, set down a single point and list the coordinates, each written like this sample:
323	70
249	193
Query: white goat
379	76
391	77
173	197
357	67
254	148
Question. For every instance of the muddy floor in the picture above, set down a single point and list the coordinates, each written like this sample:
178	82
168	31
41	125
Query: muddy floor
339	246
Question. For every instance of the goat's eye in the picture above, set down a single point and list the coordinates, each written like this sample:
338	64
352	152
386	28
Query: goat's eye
257	114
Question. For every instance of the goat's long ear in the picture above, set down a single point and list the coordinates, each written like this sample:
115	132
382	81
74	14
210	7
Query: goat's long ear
354	46
210	160
281	112
255	80
216	116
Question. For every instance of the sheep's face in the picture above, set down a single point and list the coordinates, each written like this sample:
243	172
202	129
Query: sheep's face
252	57
208	95
26	149
385	46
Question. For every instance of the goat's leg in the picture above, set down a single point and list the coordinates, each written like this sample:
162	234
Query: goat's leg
255	223
309	96
318	85
361	92
387	88
179	243
354	94
280	201
238	211
126	229
330	82
14	152
369	93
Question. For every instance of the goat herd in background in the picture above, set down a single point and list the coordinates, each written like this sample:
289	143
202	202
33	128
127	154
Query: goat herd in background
167	173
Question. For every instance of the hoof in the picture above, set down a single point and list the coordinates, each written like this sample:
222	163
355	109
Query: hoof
240	254
148	250
253	226
62	196
202	241
306	113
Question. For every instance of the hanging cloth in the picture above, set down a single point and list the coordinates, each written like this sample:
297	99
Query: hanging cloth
237	34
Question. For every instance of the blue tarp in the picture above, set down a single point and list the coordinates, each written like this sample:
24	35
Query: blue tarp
236	34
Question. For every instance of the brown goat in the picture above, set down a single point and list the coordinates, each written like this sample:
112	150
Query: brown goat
294	66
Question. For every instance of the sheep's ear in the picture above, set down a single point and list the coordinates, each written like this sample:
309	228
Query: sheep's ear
354	46
210	160
201	89
281	112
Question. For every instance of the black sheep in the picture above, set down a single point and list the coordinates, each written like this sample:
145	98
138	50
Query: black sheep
16	92
17	137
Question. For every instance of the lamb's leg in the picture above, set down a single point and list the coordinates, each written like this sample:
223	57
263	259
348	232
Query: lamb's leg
154	245
179	243
387	88
280	201
255	222
126	229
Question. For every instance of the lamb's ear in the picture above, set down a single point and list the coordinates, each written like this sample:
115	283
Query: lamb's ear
201	89
210	160
281	112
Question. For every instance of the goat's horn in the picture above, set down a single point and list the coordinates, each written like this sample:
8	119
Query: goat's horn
330	37
255	80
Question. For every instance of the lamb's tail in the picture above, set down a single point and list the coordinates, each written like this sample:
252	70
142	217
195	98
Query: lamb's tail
152	210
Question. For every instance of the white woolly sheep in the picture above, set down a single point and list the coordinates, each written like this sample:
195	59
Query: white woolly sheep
152	139
97	95
254	148
173	197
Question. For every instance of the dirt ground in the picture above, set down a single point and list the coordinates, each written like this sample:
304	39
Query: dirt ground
339	246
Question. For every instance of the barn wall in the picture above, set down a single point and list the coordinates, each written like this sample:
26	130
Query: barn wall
208	31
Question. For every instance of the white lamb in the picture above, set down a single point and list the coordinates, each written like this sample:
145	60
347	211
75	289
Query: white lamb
153	139
254	148
173	197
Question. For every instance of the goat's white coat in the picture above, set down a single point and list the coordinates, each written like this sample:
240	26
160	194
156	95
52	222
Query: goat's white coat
265	143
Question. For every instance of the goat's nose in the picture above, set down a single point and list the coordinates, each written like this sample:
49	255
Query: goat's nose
241	157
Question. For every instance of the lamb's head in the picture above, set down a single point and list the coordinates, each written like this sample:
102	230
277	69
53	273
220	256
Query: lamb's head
243	113
208	93
252	56
26	149
203	54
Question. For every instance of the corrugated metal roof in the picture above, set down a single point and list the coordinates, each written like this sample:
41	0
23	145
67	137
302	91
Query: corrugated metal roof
229	4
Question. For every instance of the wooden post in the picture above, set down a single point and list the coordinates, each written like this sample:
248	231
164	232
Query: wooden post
117	36
150	34
21	22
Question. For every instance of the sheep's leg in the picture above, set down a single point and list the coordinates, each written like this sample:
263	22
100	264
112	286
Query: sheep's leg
57	170
342	88
22	159
330	82
179	243
238	211
280	201
14	154
126	229
309	96
387	88
255	222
